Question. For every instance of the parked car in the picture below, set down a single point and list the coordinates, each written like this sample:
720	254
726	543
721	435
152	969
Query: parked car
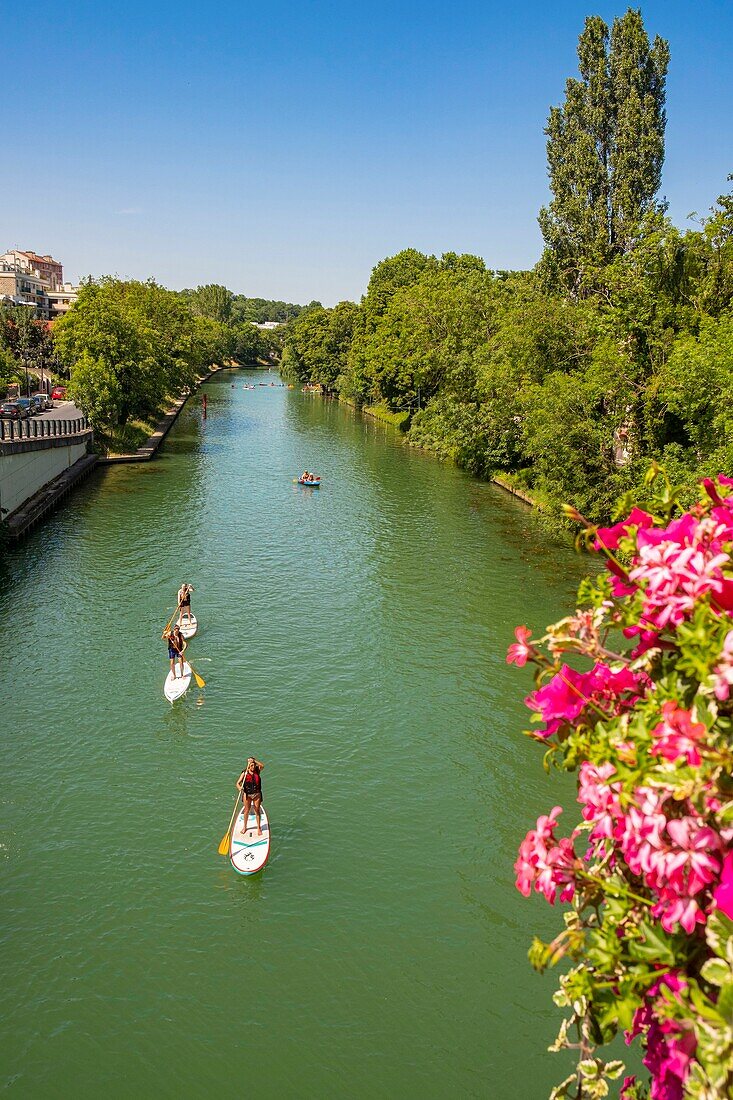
58	393
44	400
25	403
37	403
9	410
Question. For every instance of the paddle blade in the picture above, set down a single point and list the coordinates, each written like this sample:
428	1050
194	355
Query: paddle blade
224	845
199	679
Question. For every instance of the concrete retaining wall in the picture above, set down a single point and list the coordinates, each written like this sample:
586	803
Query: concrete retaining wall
23	473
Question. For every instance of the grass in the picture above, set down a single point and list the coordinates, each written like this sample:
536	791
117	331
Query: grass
399	420
127	439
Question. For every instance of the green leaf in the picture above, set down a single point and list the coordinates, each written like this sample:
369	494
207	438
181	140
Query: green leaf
725	1001
561	1091
614	1069
719	933
715	971
654	946
588	1068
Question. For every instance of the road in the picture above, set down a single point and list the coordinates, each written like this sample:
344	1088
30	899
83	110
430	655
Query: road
65	410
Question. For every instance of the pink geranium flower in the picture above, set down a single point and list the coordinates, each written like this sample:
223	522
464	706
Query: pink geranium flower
723	671
676	566
545	863
723	896
677	736
565	696
670	1044
608	538
599	799
519	652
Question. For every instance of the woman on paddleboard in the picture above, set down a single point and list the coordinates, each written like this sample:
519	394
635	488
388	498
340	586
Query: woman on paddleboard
176	645
184	602
250	786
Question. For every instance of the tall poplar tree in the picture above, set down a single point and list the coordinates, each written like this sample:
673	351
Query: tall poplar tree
605	147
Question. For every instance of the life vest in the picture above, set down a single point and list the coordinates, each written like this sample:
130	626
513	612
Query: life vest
252	784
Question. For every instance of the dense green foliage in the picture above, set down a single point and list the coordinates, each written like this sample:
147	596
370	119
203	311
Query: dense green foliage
128	345
568	378
220	304
25	343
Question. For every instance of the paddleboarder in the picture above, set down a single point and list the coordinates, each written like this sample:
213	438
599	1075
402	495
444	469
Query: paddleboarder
249	785
176	645
184	602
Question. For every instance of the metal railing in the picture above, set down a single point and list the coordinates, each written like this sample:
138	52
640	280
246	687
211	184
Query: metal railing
12	430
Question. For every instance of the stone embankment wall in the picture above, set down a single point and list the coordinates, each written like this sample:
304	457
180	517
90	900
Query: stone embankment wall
25	467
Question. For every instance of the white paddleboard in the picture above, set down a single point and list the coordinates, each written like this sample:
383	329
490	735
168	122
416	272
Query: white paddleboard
189	626
175	685
248	851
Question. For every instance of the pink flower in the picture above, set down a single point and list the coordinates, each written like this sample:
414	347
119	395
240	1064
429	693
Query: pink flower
546	863
677	858
670	1044
599	799
723	671
561	700
565	696
678	565
677	736
520	651
723	896
608	538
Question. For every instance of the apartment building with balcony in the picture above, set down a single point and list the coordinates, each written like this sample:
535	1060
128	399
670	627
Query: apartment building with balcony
27	279
21	288
48	269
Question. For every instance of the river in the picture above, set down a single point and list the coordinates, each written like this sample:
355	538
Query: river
354	639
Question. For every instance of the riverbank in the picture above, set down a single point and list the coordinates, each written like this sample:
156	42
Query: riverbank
400	421
150	441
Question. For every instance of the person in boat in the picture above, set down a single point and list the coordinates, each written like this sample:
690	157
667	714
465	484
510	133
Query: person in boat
249	785
176	645
184	602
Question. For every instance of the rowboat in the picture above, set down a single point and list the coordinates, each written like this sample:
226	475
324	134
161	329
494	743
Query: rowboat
315	484
248	851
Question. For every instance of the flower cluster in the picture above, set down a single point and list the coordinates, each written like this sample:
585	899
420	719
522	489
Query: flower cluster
634	692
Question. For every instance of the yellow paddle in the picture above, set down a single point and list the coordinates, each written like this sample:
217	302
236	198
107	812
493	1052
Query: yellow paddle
224	844
168	624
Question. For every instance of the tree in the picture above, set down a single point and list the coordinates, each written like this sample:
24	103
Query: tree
605	148
212	301
128	345
317	344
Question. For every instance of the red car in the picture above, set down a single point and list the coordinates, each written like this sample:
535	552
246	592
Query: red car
58	393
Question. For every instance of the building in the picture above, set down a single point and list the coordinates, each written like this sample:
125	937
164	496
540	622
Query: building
61	300
27	279
48	269
21	288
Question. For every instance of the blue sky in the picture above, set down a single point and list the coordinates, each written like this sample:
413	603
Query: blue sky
285	148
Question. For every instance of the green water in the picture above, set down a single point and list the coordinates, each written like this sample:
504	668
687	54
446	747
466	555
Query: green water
353	638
